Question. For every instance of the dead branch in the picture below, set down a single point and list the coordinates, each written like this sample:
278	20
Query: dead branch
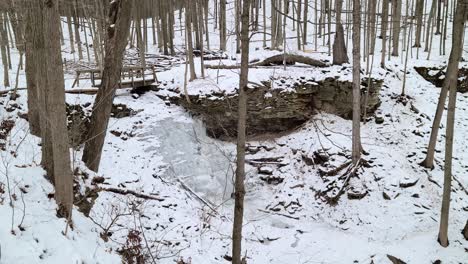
280	214
187	188
335	171
352	171
11	90
127	192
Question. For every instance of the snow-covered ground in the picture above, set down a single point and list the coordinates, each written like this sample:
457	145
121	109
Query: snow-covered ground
163	152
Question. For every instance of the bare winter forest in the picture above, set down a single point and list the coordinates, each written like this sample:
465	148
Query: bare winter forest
233	131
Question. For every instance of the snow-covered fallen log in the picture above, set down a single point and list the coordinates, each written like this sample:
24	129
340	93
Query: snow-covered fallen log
288	59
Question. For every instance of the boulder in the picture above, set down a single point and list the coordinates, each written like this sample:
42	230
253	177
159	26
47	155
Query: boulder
408	182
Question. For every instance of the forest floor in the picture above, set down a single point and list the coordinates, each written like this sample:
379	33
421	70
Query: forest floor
161	151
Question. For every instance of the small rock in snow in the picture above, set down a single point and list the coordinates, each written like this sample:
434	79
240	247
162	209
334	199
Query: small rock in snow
408	182
356	193
265	170
386	196
465	231
395	260
379	120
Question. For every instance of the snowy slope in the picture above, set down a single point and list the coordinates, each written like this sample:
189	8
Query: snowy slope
163	152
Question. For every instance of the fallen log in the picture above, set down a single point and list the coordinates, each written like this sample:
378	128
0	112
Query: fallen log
11	90
280	59
82	91
70	91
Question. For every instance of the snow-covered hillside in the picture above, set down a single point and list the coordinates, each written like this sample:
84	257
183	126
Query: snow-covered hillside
179	181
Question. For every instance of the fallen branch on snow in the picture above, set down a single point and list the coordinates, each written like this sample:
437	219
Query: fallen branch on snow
280	214
335	171
350	172
134	193
197	196
11	90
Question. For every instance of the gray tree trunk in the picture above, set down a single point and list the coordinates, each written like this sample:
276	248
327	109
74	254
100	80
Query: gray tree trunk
241	138
306	17
31	28
188	28
452	67
396	18
419	22
117	36
56	114
222	25
356	144
3	47
340	55
384	31
451	83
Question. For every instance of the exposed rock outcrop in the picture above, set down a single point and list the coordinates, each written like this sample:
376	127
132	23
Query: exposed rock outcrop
436	76
78	117
281	108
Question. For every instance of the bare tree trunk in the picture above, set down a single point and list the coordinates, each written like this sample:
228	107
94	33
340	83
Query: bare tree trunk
56	114
273	24
241	138
77	33
317	26
396	17
384	31
439	11
171	28
264	24
372	25
3	47
200	19
279	23
306	17
222	24
340	55
452	73
451	83
356	145
117	35
153	23
237	10
403	89
70	33
188	28
445	27
329	25
419	22
31	26
298	23
206	8
430	24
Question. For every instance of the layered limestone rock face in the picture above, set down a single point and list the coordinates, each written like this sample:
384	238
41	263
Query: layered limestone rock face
436	76
277	109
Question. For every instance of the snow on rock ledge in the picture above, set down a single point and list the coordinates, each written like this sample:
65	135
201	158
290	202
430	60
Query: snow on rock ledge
436	76
276	105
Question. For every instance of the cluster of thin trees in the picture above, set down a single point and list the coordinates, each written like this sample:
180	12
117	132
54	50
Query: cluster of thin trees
34	27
